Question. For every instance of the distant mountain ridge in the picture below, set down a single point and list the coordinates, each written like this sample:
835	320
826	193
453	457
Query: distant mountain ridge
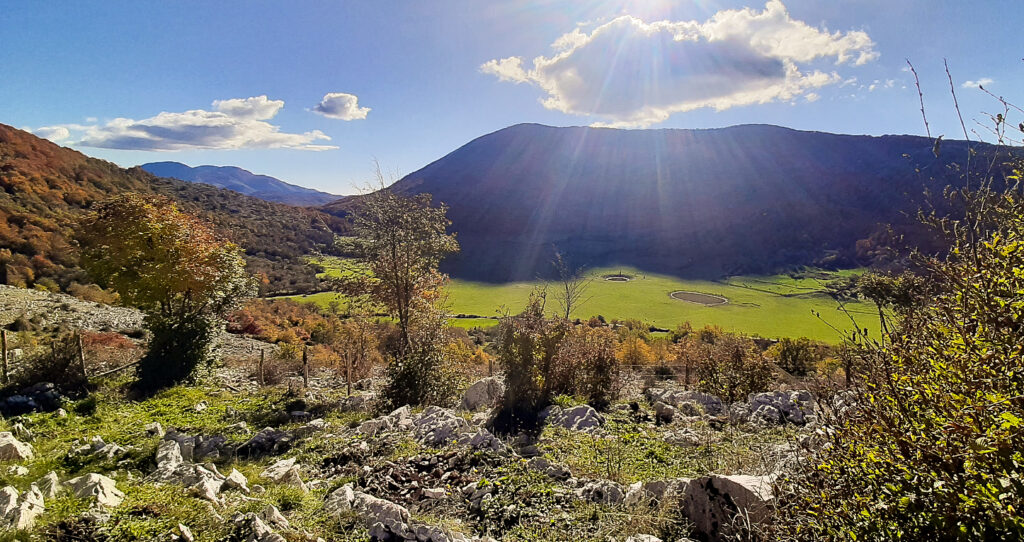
242	181
693	203
45	188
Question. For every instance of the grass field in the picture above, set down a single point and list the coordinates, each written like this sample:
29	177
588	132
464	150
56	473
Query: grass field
768	306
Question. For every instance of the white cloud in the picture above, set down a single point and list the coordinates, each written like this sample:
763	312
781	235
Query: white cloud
983	82
812	96
257	107
339	105
507	69
634	73
53	133
238	123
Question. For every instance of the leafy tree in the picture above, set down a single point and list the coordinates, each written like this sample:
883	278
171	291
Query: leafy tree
402	239
173	267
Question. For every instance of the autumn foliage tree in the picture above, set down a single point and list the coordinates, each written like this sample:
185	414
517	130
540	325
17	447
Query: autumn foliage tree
172	266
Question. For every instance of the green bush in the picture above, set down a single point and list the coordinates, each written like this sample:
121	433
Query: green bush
931	446
177	351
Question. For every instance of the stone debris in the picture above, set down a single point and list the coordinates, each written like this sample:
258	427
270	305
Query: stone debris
102	489
285	472
578	418
399	420
12	449
713	501
483	393
268	441
603	492
775	408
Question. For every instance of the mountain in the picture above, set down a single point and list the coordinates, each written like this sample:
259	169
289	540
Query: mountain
693	203
242	181
44	188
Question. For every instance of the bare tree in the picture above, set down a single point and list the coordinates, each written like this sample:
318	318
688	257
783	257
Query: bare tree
572	285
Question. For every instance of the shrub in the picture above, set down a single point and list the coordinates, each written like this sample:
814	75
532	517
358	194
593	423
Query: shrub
420	374
178	350
731	367
795	356
58	364
930	446
545	357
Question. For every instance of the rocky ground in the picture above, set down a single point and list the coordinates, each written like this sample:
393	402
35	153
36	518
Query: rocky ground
236	461
210	464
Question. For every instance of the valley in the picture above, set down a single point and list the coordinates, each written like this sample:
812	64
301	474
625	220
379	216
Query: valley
770	306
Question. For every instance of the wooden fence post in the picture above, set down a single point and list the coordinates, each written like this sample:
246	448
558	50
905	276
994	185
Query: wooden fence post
81	355
259	366
3	346
305	366
348	374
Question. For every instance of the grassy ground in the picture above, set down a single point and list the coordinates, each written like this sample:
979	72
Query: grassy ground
768	306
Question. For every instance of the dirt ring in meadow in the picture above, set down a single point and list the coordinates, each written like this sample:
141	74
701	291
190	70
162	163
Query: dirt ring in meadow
618	278
708	300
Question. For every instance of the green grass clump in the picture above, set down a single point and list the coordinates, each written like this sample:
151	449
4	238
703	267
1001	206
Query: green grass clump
638	452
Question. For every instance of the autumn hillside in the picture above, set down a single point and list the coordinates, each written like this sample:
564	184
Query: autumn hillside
46	187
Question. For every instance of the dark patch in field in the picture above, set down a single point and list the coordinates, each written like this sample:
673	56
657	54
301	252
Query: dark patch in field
708	300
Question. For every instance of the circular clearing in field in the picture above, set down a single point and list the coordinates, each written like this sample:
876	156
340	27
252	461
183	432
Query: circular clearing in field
708	300
618	278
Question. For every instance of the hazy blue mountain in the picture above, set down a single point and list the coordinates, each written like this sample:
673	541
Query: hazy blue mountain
700	203
243	181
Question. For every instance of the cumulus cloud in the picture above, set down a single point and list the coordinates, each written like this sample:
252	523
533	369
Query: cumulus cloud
238	123
342	106
635	74
53	133
983	82
257	107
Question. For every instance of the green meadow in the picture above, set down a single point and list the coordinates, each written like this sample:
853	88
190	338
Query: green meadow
768	306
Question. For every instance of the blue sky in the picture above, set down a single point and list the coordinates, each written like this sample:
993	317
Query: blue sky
314	92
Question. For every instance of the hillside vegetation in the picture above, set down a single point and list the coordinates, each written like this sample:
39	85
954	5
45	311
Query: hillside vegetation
45	189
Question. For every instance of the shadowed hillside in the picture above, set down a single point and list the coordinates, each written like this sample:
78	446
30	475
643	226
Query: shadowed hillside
694	203
45	188
242	181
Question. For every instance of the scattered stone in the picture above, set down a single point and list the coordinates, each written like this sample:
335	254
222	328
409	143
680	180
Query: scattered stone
773	408
663	412
438	426
155	429
683	437
708	403
185	533
49	485
400	419
254	530
360	402
643	538
21	431
11	449
97	486
31	506
201	406
285	472
578	418
236	480
485	392
17	470
553	470
434	493
603	492
8	501
712	502
273	516
268	441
